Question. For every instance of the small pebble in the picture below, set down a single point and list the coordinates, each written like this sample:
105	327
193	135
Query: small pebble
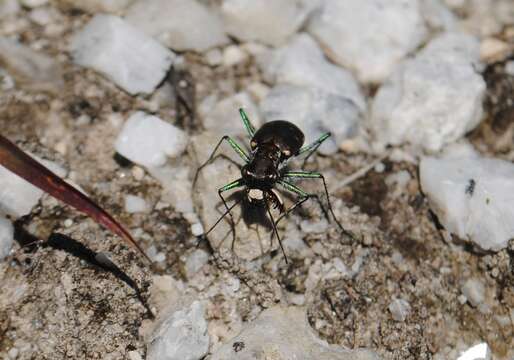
477	352
135	204
214	57
138	173
233	55
399	309
197	229
68	223
474	291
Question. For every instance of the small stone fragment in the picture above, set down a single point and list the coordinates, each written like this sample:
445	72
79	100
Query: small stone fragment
197	229
132	60
472	197
368	37
474	290
269	22
314	112
182	336
148	140
233	55
195	261
477	352
135	204
6	237
178	24
432	99
399	309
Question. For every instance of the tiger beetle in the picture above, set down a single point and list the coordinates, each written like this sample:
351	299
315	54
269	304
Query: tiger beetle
271	146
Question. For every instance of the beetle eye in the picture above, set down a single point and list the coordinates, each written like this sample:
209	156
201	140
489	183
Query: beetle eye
253	144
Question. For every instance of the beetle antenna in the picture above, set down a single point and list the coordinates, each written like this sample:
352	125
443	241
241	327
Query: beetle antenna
276	232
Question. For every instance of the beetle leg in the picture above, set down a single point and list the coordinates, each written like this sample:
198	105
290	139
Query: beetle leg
273	224
247	124
237	148
311	148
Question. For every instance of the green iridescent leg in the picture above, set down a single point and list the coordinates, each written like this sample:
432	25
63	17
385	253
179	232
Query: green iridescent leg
311	148
237	148
303	197
234	184
316	175
247	124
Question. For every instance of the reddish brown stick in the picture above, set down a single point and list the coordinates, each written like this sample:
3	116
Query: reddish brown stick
23	165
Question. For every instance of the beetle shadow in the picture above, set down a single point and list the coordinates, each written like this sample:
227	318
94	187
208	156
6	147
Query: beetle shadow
73	247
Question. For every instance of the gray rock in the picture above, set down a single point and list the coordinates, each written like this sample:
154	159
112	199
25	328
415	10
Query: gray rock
472	197
132	60
270	22
432	99
182	336
314	111
368	37
223	117
282	334
195	261
301	62
178	24
399	309
30	69
474	291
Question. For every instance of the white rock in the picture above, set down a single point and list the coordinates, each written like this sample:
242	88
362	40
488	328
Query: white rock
6	237
433	99
135	204
33	3
182	336
301	62
477	352
17	196
99	6
281	333
30	69
223	118
195	261
233	55
214	57
369	37
399	309
472	196
314	112
269	22
197	229
147	140
132	60
474	291
178	24
509	67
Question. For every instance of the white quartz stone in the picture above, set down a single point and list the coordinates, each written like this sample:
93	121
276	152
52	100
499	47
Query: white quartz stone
178	24
474	291
432	99
147	140
135	204
472	196
477	352
368	37
125	55
6	237
399	309
315	112
302	62
269	22
182	336
223	117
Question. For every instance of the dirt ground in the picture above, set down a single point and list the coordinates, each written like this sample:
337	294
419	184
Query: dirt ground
56	303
